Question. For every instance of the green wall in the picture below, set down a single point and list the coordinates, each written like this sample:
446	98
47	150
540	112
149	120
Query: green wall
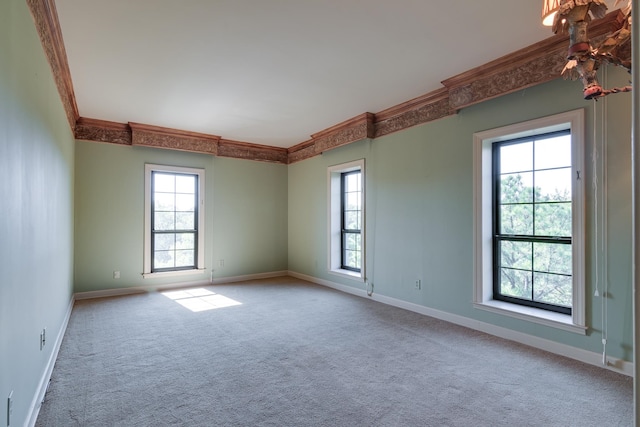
419	211
36	210
246	215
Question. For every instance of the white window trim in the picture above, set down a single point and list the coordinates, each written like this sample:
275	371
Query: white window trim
334	222
148	168
483	254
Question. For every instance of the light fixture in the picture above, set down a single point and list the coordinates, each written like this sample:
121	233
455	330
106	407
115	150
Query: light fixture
584	58
549	10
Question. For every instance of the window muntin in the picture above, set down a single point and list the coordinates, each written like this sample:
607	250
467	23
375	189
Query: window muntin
351	214
174	221
533	221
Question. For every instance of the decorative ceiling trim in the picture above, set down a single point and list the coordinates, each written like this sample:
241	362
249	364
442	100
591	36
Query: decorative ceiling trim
302	151
248	151
532	65
173	139
534	72
426	108
354	129
102	131
45	17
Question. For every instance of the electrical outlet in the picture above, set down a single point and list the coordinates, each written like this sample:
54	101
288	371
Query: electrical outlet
9	408
221	263
116	274
44	336
418	284
41	341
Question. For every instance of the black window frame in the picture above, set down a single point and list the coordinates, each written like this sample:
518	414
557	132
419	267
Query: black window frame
498	237
344	232
194	231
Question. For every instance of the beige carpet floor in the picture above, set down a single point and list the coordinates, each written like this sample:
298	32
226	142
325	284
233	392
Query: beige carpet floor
283	352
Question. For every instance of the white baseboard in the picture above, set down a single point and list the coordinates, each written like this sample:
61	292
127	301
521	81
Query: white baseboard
138	289
38	398
153	288
248	277
613	364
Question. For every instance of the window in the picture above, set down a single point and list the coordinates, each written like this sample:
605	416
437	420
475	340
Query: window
346	219
532	221
351	213
174	214
529	216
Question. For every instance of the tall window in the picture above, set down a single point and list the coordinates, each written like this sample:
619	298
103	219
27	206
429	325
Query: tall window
351	250
346	198
529	221
174	205
533	221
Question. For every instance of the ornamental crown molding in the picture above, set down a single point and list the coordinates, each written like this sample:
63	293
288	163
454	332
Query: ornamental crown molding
102	131
45	18
173	139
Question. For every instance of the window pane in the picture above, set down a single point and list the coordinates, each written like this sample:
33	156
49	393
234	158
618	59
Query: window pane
185	241
352	259
553	219
352	241
357	260
185	221
164	221
553	152
186	184
553	289
552	258
516	219
164	183
516	188
352	220
164	242
163	259
352	201
164	202
515	283
352	250
516	254
184	258
185	202
352	182
553	185
516	157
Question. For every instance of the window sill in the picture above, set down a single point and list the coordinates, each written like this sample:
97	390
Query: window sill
172	273
534	315
348	274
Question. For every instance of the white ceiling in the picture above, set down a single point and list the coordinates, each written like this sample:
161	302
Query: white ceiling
274	72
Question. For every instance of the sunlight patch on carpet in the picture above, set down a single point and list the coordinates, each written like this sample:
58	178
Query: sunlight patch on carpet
200	299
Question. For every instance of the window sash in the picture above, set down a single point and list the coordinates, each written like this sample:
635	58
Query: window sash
499	237
193	231
345	250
